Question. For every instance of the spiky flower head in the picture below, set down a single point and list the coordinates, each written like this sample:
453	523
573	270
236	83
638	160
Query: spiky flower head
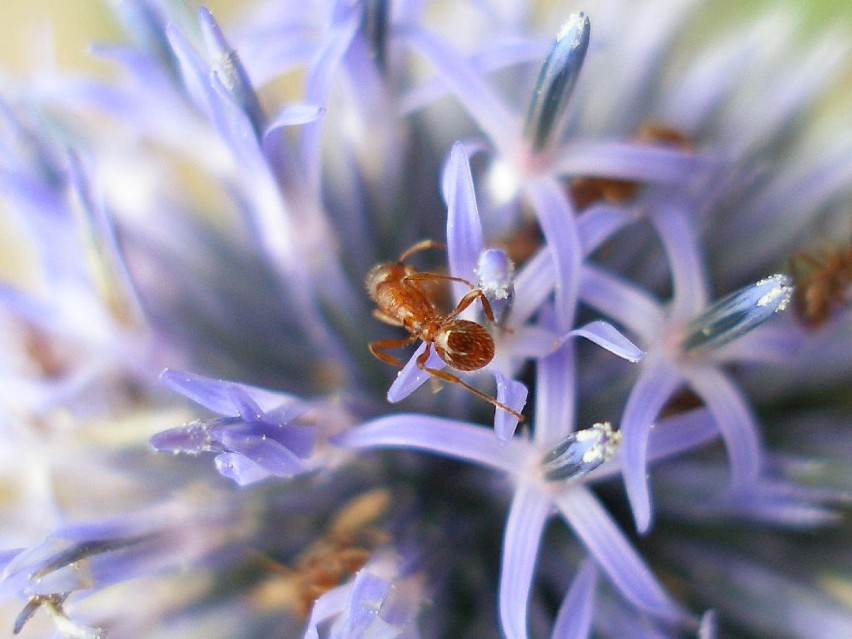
506	178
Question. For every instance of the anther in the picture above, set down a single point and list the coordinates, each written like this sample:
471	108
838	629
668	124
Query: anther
496	279
737	313
556	80
581	452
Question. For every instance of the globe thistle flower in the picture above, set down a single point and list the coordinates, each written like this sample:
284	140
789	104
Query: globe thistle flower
505	179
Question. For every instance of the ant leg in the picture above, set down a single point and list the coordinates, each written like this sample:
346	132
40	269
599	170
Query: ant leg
422	245
425	275
468	299
377	348
449	377
474	293
387	319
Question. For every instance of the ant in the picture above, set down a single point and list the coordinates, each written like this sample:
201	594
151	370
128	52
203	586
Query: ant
397	289
351	538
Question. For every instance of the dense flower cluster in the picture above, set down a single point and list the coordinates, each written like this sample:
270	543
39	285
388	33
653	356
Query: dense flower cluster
621	261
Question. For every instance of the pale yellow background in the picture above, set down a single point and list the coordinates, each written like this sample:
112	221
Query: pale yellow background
74	23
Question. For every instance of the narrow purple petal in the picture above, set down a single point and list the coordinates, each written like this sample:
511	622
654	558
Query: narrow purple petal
367	593
511	50
440	436
621	300
324	67
211	94
194	70
299	440
655	384
556	216
330	603
513	394
599	222
240	469
101	227
677	434
527	516
216	394
555	396
575	614
735	422
294	115
529	342
626	161
229	69
614	554
241	133
210	393
269	454
412	377
246	408
609	338
709	625
464	230
191	438
686	261
466	83
533	284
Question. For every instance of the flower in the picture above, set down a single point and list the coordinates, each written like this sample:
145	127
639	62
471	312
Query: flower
505	177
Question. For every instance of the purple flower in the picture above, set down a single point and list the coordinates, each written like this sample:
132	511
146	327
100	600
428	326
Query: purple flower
682	352
255	438
546	479
377	602
629	175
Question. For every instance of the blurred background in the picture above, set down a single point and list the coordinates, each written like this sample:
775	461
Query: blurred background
77	23
74	24
47	36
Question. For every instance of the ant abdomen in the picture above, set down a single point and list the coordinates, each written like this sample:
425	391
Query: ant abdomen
464	345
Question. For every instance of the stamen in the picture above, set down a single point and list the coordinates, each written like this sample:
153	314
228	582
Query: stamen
496	278
83	550
556	81
53	604
581	452
738	313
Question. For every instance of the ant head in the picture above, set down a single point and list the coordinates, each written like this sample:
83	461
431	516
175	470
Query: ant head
464	345
381	274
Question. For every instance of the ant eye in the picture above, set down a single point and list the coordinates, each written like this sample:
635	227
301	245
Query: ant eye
464	345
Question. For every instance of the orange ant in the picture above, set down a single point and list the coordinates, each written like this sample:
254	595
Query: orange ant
330	560
822	278
397	289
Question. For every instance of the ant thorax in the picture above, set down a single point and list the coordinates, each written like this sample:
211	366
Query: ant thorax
403	300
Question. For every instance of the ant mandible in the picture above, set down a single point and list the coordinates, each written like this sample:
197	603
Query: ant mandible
396	288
